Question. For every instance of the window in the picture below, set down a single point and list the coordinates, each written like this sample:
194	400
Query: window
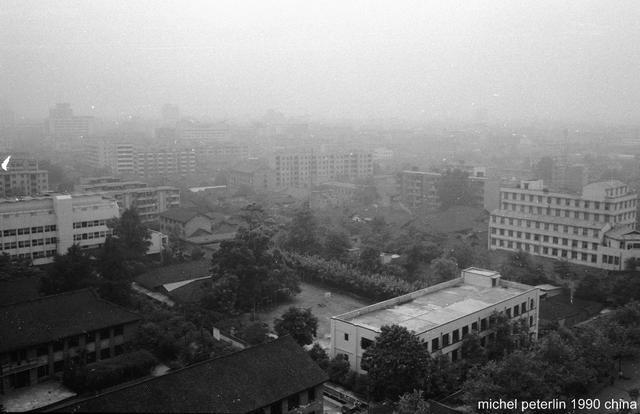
105	333
311	394
118	350
58	366
530	320
523	307
118	330
465	330
90	337
73	341
445	340
43	371
91	357
435	344
42	350
105	353
346	337
483	324
365	343
293	401
58	345
516	311
474	326
456	336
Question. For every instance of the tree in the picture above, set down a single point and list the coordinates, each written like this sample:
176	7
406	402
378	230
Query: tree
301	324
338	369
397	362
462	253
335	246
133	236
443	269
369	260
70	271
413	403
453	189
319	355
302	232
255	333
253	214
114	271
196	253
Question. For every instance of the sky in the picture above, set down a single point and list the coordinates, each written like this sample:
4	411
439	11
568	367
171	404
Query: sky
417	60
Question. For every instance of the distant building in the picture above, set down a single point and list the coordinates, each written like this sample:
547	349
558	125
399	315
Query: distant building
62	124
193	133
148	201
595	229
38	228
120	157
158	242
441	315
188	225
170	115
274	377
40	335
305	167
169	161
23	177
334	194
253	173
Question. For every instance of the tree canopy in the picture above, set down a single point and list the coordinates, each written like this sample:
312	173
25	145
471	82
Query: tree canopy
301	324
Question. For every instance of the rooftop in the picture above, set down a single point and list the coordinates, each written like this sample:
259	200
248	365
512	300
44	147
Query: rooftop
50	318
429	308
238	383
174	273
181	215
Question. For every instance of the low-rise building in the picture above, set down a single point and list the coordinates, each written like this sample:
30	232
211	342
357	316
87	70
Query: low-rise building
186	224
441	315
39	335
38	228
253	173
274	377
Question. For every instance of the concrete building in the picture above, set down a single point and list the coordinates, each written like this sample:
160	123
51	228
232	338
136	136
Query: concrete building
441	315
253	173
595	229
23	177
38	228
304	168
120	157
39	335
192	133
276	377
169	161
62	124
211	156
148	201
186	224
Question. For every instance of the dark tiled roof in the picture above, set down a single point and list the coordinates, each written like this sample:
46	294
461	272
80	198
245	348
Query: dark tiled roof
238	383
181	215
19	289
174	273
57	316
191	292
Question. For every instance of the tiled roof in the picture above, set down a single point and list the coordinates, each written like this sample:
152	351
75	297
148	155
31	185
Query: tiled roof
174	273
180	214
238	383
53	317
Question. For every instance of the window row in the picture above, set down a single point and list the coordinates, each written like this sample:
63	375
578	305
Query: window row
565	228
569	201
93	223
544	250
87	236
545	238
29	230
578	215
28	243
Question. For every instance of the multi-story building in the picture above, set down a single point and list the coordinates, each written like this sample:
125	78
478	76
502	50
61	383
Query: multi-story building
195	133
148	201
120	157
63	125
216	155
419	189
38	228
304	168
22	177
270	378
40	335
168	161
595	229
441	315
252	173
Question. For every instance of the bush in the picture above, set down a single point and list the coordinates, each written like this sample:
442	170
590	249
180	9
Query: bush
197	253
104	374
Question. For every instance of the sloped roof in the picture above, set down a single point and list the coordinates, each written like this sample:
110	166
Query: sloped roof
174	273
182	215
191	291
19	289
53	317
237	383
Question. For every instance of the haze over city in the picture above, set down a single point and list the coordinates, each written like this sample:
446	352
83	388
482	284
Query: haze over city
414	60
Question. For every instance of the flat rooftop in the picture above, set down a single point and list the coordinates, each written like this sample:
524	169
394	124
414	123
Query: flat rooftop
428	308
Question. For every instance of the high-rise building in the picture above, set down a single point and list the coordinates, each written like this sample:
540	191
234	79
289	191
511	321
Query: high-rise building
38	228
596	228
120	157
62	124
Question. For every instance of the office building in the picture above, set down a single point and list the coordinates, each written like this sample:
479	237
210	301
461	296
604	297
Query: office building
119	157
38	228
440	315
39	335
23	177
62	124
168	161
253	173
596	228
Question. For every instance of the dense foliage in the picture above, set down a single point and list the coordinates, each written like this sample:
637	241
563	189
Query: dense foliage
301	324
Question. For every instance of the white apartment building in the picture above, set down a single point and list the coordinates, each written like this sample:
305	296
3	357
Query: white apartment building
22	178
165	161
594	229
303	168
38	228
441	315
118	156
148	201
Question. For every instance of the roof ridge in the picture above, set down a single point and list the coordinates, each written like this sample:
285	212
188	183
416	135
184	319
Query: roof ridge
68	292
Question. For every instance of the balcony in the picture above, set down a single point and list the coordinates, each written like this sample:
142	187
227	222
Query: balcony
12	368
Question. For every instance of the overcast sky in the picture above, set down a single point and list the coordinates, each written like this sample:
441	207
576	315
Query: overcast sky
574	60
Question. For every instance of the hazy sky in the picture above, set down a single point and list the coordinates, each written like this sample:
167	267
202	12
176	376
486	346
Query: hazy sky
412	59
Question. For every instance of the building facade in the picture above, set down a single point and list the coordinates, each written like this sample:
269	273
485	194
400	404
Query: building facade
38	228
117	156
440	315
168	161
304	168
253	173
23	177
596	228
40	335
